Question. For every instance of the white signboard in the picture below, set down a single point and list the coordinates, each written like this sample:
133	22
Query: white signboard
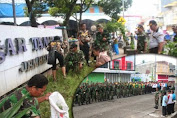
22	54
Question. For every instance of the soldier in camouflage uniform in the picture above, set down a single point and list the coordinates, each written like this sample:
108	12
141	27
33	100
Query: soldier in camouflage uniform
107	92
78	96
104	93
156	99
35	87
102	38
118	91
88	95
97	92
124	90
74	59
128	90
141	40
111	91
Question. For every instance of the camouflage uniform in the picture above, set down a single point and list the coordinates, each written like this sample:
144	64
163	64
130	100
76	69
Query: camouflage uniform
29	102
99	40
111	91
73	59
118	91
142	39
78	96
156	99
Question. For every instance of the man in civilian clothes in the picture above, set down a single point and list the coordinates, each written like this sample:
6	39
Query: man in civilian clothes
169	103
164	105
102	57
174	100
156	38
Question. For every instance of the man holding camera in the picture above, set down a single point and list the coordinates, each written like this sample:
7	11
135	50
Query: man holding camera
156	38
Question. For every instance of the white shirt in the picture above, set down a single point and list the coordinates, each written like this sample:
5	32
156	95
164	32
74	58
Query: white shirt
170	99
156	38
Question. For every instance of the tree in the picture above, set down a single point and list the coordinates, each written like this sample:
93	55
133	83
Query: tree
113	26
113	7
170	49
83	7
64	8
33	10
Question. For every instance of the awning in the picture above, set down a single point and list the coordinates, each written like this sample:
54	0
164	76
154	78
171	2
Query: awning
106	70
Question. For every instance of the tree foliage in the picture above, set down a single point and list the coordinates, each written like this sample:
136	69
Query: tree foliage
83	7
38	9
113	26
113	7
171	49
64	8
34	9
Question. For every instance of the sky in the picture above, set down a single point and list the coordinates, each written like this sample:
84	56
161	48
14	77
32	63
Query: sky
150	58
142	7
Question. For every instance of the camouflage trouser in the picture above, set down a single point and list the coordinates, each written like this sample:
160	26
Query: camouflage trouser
93	96
156	103
134	91
121	92
83	97
79	99
118	93
143	90
107	95
138	91
101	96
124	93
104	95
97	96
131	91
128	92
87	98
112	93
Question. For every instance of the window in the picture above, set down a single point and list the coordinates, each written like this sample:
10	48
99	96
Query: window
92	10
116	65
129	66
104	66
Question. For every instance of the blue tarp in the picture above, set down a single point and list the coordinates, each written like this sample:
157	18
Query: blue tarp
6	10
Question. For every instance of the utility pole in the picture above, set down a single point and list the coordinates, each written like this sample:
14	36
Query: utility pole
123	7
14	12
155	67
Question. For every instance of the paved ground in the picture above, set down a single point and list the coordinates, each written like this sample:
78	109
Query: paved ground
131	107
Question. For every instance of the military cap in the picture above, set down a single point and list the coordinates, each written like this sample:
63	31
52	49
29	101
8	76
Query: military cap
73	45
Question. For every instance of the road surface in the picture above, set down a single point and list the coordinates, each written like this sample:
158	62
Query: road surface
141	106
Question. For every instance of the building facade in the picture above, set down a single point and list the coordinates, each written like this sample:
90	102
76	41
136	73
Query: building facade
118	70
159	71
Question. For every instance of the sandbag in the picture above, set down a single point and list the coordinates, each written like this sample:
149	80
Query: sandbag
58	106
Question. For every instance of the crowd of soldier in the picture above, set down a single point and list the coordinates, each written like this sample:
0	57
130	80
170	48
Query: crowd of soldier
97	92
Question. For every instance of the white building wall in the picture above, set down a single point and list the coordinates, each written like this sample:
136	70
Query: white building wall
10	77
